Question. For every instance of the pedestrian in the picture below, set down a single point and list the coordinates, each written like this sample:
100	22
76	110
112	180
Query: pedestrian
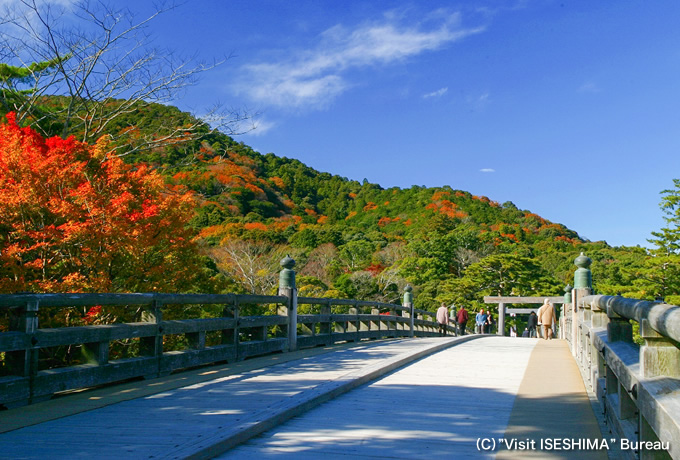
489	323
532	322
526	332
462	319
443	319
480	321
547	315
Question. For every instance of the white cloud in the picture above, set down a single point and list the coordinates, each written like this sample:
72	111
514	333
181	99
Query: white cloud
261	126
479	102
316	76
487	170
588	87
439	93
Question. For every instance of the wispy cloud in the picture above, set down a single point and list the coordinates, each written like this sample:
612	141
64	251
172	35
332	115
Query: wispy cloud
312	78
479	102
439	93
588	87
261	126
487	170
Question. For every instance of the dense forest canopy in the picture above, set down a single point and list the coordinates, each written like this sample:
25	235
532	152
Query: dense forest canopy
350	239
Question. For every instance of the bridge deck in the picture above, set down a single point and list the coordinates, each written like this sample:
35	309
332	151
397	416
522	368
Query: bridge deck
492	387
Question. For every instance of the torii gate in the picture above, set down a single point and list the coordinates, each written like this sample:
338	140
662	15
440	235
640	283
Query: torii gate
502	300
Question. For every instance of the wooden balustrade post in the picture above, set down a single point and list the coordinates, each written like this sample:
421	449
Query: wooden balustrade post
352	325
96	352
24	363
374	325
659	356
287	288
619	329
408	302
153	345
325	326
230	336
566	310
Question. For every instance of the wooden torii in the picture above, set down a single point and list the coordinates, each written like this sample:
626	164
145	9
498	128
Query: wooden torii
502	300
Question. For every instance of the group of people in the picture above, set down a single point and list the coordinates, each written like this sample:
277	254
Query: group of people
484	322
541	322
459	317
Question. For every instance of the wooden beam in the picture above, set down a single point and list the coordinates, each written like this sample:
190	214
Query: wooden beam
519	311
516	300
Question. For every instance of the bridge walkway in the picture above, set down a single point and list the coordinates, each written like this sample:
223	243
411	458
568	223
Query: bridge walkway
438	407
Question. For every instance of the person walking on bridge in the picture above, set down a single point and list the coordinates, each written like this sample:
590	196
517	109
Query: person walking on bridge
480	321
462	319
443	319
489	323
546	316
532	322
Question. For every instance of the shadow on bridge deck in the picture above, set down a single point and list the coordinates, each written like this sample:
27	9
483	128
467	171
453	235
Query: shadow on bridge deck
552	406
437	407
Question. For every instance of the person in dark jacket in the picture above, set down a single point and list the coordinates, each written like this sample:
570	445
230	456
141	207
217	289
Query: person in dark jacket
532	322
490	323
462	319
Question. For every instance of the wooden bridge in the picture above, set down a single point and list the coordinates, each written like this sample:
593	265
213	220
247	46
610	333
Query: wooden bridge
347	379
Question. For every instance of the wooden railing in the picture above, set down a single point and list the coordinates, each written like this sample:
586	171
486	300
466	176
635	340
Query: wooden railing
637	385
193	339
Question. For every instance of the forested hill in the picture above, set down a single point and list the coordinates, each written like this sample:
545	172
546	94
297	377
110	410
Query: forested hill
349	239
340	230
238	185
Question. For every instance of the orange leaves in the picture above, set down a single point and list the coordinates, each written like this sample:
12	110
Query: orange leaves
370	206
278	182
439	195
444	206
255	226
384	221
73	220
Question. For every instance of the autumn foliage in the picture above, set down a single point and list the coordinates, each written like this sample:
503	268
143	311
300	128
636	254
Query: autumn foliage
73	220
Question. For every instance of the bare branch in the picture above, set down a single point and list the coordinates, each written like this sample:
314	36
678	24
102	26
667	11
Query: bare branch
105	66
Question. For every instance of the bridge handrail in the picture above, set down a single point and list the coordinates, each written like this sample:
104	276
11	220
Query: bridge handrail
663	318
238	337
350	302
632	376
113	299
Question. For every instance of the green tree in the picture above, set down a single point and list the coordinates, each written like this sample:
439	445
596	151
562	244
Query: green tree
667	240
509	274
660	275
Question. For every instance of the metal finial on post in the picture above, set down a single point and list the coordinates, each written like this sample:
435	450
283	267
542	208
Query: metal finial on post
287	288
408	302
408	295
287	275
583	277
567	294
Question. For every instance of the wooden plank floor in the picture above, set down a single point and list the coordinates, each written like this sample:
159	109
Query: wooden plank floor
178	422
455	391
435	408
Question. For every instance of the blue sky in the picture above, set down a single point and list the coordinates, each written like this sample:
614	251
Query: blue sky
569	109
